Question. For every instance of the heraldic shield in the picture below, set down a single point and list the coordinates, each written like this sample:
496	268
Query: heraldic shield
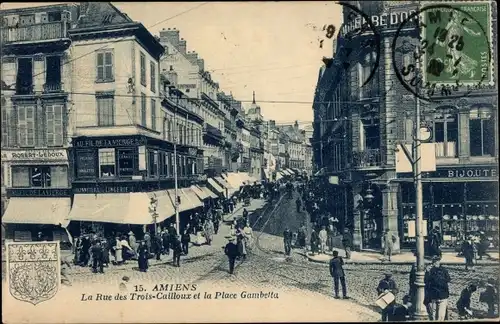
33	270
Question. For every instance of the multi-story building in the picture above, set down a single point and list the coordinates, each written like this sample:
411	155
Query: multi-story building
357	137
197	83
295	147
230	133
36	108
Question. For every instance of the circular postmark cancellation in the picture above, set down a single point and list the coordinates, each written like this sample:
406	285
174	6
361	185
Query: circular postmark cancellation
453	51
358	24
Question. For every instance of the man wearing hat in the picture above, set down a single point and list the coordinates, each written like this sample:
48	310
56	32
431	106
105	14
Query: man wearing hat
132	241
231	250
437	290
384	286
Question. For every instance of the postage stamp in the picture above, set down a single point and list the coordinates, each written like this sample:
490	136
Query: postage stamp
33	270
458	39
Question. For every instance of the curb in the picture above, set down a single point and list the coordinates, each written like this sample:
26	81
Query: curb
492	263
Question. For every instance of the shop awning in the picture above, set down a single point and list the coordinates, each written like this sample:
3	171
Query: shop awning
121	208
208	192
223	182
199	192
52	211
278	176
216	186
193	198
189	200
233	179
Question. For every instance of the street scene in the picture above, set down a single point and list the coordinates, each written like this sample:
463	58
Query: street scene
360	171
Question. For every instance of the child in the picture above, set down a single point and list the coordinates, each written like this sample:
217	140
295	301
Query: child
490	297
401	312
463	303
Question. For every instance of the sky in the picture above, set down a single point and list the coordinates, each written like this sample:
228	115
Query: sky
272	48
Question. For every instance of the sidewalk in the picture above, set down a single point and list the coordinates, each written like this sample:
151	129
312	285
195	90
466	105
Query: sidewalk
195	251
402	258
238	210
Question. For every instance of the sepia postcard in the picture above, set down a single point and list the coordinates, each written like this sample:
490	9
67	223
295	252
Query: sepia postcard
249	161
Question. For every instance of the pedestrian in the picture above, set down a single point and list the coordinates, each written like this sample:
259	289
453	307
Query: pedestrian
231	250
323	236
143	255
437	290
177	247
185	240
216	221
209	231
435	242
158	245
301	237
389	239
314	242
165	236
463	303
118	251
337	273
105	252
298	204
245	215
240	239
132	241
97	264
468	253
287	241
249	235
490	297
401	312
384	286
483	245
347	242
147	239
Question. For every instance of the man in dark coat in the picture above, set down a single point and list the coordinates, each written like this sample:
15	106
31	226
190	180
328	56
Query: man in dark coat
387	285
314	242
463	303
172	233
143	255
166	242
437	290
231	250
287	240
177	247
347	243
147	239
158	246
337	273
97	257
185	239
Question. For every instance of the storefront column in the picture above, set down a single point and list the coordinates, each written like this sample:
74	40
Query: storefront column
463	135
357	203
390	212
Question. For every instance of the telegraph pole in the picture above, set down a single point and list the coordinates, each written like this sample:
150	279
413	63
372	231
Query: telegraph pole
176	204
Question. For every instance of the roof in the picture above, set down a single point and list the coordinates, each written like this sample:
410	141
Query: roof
98	14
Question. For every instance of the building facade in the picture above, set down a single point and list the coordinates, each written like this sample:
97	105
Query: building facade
356	139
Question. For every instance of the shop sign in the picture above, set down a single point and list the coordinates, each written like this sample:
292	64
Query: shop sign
470	172
45	192
86	164
113	142
387	20
104	189
45	154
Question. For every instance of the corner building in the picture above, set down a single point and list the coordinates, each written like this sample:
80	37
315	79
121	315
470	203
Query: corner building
356	137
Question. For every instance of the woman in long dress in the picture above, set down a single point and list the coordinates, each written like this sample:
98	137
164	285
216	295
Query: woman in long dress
118	251
241	239
143	257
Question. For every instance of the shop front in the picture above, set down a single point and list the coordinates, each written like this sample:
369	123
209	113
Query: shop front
459	201
37	188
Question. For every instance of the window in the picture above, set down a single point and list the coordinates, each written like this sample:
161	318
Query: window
105	66
169	131
152	68
20	177
446	135
26	118
4	126
153	114
107	163
54	116
24	78
161	164
143	69
105	110
126	162
372	136
143	110
53	74
153	163
59	176
482	132
364	71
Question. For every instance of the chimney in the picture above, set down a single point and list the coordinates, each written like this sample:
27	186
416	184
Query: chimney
181	47
201	64
192	57
171	36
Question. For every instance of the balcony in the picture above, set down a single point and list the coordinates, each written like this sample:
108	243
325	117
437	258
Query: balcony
367	158
34	33
25	89
52	87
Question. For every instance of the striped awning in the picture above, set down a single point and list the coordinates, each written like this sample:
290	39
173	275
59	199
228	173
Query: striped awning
216	186
199	192
208	192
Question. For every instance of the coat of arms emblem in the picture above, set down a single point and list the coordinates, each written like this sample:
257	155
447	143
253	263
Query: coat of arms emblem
33	270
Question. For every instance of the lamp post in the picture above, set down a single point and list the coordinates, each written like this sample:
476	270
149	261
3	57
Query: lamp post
153	204
174	130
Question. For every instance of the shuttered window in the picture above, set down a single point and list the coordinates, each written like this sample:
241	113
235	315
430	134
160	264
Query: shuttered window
153	114
5	128
26	119
105	66
54	118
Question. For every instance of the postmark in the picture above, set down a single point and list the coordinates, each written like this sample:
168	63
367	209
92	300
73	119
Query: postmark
33	270
451	53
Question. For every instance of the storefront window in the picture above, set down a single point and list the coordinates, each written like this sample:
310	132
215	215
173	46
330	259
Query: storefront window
59	176
107	163
153	163
20	177
86	164
482	132
126	162
40	177
446	135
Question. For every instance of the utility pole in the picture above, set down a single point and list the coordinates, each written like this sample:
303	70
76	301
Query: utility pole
176	205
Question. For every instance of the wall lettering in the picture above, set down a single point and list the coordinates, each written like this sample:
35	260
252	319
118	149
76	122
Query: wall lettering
23	155
110	142
38	192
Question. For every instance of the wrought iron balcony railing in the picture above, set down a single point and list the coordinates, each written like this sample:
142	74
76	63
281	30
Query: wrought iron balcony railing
367	158
52	87
37	32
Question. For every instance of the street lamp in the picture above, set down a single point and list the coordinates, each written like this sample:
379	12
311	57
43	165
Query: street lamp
153	204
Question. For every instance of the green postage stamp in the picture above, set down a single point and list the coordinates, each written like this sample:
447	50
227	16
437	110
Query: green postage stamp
456	38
